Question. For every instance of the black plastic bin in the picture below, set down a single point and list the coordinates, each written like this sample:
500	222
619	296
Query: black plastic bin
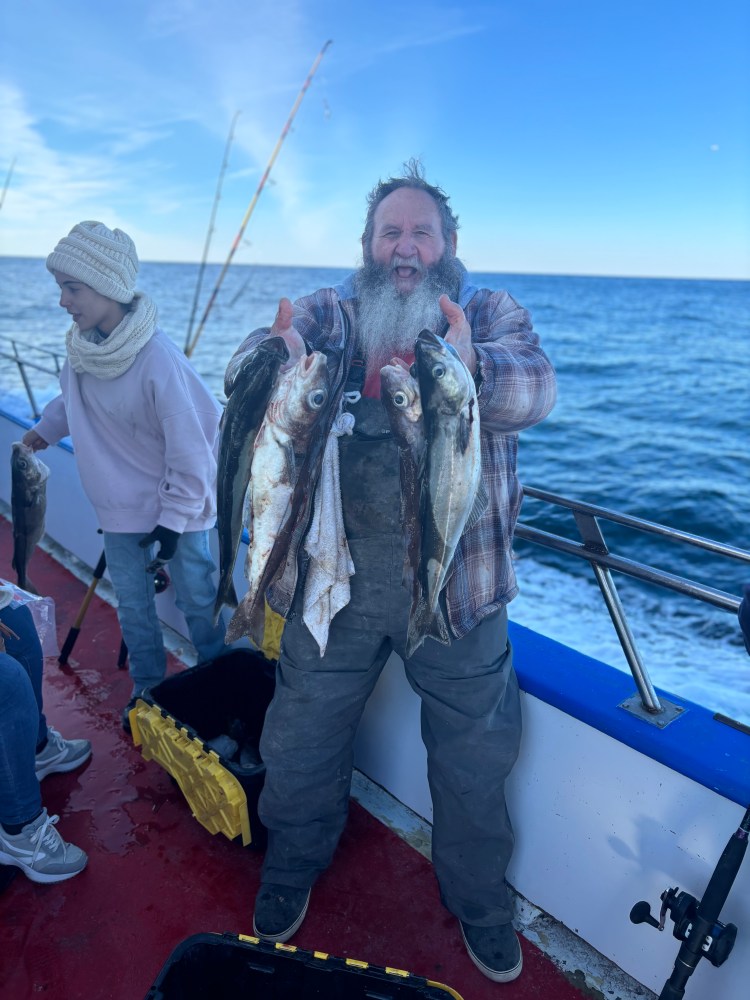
231	967
173	721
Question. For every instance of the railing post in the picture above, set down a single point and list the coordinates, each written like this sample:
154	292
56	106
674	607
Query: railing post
27	384
593	539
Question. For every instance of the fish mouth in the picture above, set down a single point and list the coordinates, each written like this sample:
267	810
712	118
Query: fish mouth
430	337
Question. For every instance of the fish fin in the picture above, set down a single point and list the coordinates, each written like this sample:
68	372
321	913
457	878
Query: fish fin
481	503
425	624
290	461
226	595
464	432
24	583
247	620
237	627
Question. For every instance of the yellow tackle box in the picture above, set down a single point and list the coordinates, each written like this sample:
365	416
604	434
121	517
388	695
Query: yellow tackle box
174	722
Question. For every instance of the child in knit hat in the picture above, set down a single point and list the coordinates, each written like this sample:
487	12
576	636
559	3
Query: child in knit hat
144	428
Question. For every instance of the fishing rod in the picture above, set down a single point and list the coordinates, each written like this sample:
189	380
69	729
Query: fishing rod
7	181
284	132
210	230
696	922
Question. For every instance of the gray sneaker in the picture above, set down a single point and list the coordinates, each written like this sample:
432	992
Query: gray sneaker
40	852
496	951
279	911
60	755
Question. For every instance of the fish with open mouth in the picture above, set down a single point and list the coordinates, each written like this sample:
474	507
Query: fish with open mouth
28	502
292	415
399	393
453	495
250	390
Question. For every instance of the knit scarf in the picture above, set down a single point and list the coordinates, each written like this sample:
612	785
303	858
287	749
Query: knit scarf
112	356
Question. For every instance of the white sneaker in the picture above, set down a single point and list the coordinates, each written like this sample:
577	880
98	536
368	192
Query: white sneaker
40	852
61	755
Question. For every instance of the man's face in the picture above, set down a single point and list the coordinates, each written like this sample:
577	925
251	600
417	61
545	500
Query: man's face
88	308
407	236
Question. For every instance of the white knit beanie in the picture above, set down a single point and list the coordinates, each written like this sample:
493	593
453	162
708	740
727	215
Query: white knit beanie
105	259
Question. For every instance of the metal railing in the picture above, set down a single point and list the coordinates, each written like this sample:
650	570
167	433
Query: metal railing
594	549
24	363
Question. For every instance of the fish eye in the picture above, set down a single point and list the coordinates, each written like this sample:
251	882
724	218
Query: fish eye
317	398
400	399
438	370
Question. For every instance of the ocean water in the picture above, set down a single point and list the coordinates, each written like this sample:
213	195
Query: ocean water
651	420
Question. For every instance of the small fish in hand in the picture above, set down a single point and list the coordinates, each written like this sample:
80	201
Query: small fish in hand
28	501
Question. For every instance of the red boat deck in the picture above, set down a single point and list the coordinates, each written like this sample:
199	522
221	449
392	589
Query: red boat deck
155	876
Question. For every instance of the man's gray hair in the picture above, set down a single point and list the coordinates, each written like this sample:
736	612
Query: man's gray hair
413	177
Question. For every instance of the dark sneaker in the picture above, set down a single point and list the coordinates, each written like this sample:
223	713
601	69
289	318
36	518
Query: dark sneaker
40	852
495	951
60	755
126	715
279	911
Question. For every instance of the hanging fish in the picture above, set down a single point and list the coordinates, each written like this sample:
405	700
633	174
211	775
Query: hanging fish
249	392
399	393
452	491
292	415
28	502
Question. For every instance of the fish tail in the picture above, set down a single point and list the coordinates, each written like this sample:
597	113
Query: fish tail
247	620
24	583
425	623
226	595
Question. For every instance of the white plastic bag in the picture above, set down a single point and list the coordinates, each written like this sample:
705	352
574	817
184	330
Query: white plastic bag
42	611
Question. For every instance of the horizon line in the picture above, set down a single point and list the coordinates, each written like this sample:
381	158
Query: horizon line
349	268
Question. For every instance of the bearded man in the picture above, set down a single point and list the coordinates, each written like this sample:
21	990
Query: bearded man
410	280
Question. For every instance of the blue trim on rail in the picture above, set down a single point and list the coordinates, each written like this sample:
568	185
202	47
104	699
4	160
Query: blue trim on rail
24	422
694	744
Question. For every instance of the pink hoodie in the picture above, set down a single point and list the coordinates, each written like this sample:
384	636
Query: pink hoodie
145	442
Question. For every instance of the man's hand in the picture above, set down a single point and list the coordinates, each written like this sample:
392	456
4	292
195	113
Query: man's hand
34	441
459	334
167	539
282	327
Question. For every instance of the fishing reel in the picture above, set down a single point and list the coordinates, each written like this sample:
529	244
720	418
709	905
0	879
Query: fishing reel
682	908
161	580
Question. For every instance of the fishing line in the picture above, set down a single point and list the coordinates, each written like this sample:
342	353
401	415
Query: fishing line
210	230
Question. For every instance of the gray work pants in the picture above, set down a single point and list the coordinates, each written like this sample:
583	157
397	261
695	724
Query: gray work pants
471	727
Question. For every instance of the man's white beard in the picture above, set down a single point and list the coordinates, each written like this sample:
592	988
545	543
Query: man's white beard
389	320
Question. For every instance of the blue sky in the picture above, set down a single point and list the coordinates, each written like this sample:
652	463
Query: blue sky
574	137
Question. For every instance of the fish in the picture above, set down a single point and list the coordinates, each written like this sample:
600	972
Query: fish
453	495
251	387
28	501
399	393
292	416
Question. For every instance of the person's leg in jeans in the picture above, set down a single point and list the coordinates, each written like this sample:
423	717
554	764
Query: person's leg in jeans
136	607
20	796
192	569
53	754
27	650
28	837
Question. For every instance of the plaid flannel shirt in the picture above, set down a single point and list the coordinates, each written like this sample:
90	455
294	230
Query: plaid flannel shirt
516	389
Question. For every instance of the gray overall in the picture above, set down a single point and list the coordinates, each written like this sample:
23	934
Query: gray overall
471	722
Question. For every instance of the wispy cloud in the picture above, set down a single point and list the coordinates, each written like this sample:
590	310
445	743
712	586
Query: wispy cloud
420	40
